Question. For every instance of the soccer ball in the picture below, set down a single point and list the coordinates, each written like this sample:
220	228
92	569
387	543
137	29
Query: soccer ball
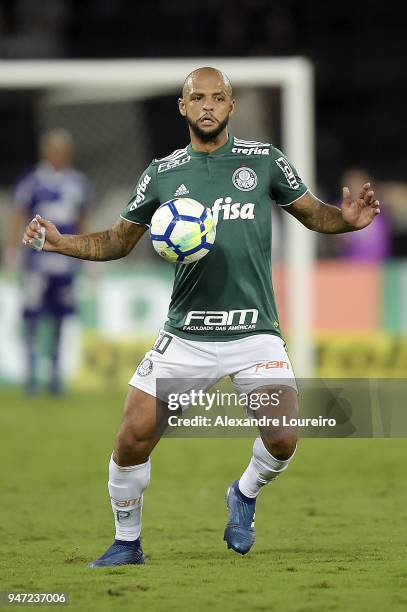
182	230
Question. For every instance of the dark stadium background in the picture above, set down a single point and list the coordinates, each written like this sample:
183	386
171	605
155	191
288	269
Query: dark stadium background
330	531
359	51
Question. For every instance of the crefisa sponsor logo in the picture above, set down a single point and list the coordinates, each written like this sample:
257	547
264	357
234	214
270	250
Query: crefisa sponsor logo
140	191
232	210
251	150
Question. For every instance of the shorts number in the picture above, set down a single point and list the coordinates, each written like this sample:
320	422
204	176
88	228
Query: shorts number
162	343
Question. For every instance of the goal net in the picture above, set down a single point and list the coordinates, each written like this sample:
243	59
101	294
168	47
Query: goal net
121	114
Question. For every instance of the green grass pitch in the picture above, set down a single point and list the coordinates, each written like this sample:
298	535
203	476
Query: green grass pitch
330	532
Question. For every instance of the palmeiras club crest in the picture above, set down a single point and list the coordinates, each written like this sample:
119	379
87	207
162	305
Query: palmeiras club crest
244	179
145	368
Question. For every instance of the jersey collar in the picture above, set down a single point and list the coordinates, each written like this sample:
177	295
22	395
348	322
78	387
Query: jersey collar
221	151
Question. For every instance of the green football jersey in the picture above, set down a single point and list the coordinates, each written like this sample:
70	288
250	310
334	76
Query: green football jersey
228	294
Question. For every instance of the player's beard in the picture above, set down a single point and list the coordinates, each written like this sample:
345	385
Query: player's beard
207	135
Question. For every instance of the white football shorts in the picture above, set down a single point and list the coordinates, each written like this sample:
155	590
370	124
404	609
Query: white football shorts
175	365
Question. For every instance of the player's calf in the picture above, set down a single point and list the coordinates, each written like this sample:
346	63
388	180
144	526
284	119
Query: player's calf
275	447
279	436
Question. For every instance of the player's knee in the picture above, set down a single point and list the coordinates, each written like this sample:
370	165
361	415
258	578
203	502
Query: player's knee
130	449
281	446
133	438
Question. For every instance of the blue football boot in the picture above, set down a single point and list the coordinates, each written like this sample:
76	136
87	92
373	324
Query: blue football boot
121	553
239	532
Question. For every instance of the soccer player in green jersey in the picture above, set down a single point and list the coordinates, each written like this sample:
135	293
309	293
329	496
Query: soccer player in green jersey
222	318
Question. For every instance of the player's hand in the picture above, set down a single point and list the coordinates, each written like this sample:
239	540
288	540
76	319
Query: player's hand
360	212
52	235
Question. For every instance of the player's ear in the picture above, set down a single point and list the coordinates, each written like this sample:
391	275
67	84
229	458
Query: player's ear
181	106
232	106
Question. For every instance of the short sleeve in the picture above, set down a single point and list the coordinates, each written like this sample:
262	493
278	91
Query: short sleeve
286	185
144	201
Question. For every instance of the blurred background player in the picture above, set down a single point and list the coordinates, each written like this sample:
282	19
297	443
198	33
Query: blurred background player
57	190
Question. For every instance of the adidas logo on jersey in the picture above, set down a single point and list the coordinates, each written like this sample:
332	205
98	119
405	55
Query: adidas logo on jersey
181	191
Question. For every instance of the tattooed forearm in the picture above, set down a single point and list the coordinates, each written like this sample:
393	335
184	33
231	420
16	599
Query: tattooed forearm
328	219
318	216
100	246
110	244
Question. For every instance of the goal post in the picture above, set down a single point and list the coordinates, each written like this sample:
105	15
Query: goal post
86	80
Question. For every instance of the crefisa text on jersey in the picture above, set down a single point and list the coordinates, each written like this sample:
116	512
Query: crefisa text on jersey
251	151
232	210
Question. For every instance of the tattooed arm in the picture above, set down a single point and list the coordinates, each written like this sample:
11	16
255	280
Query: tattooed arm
113	243
354	214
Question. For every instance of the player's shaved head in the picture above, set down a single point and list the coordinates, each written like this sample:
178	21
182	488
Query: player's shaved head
207	104
207	75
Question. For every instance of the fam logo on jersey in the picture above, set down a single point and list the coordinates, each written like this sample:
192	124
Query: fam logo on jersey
244	179
146	367
221	320
288	172
140	192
